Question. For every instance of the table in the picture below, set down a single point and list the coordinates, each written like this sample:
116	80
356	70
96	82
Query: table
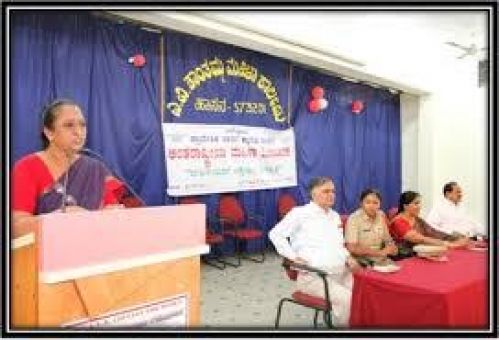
424	294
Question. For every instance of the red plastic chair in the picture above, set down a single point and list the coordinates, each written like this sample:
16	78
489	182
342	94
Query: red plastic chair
240	227
285	203
124	196
213	238
319	304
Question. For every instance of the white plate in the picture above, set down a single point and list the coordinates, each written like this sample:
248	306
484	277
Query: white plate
386	269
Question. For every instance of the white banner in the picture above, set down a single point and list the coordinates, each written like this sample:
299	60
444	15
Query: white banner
204	159
168	312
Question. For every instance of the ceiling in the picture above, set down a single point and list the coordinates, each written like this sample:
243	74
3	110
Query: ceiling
388	43
356	33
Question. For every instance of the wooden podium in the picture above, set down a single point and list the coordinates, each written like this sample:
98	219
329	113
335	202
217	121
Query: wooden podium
110	268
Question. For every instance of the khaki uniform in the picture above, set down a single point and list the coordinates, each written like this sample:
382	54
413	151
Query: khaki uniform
360	229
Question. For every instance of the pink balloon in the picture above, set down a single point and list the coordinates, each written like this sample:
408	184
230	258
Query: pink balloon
317	92
314	105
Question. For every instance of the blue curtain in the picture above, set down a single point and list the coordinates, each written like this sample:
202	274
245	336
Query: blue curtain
357	151
84	58
75	55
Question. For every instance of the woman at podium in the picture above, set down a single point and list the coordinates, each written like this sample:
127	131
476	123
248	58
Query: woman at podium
59	177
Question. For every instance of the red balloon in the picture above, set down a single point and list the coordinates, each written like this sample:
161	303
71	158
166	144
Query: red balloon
357	106
138	60
314	105
317	92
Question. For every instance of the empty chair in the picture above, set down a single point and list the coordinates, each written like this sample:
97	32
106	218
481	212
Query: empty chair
240	227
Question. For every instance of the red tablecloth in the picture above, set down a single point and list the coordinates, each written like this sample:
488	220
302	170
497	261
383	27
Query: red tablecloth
424	294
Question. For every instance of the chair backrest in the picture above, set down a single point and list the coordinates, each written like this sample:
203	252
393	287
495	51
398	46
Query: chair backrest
125	196
291	273
285	203
229	208
189	200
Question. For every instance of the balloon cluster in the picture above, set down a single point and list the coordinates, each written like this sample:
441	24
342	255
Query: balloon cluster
137	60
318	102
357	106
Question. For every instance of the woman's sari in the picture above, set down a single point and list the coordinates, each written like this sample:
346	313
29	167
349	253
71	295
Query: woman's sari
83	183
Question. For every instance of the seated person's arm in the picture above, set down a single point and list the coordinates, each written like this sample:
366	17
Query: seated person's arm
462	241
361	250
453	241
414	236
389	246
280	233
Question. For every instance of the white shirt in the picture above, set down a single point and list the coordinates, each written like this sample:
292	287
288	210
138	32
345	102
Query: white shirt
449	217
314	235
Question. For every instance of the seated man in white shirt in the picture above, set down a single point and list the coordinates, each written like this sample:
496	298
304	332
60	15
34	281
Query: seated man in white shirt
315	239
448	215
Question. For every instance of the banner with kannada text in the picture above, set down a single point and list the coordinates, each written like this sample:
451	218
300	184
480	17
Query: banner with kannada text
204	159
214	83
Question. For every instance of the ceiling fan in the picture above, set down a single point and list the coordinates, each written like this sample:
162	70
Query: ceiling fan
468	50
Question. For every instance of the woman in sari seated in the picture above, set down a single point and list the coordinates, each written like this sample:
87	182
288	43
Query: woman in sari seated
408	229
59	178
366	232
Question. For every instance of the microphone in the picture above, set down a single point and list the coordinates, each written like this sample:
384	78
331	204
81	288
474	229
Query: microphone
96	155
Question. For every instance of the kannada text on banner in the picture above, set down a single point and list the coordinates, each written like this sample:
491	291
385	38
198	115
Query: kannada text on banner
216	68
212	83
204	159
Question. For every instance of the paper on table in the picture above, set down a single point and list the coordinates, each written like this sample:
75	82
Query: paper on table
390	268
441	258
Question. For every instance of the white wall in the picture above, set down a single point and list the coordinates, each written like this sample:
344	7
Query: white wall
452	137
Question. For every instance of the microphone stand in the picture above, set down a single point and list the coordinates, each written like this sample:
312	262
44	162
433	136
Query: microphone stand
114	173
65	191
64	202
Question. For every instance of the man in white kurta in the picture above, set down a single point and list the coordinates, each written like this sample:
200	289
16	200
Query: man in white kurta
448	215
315	238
